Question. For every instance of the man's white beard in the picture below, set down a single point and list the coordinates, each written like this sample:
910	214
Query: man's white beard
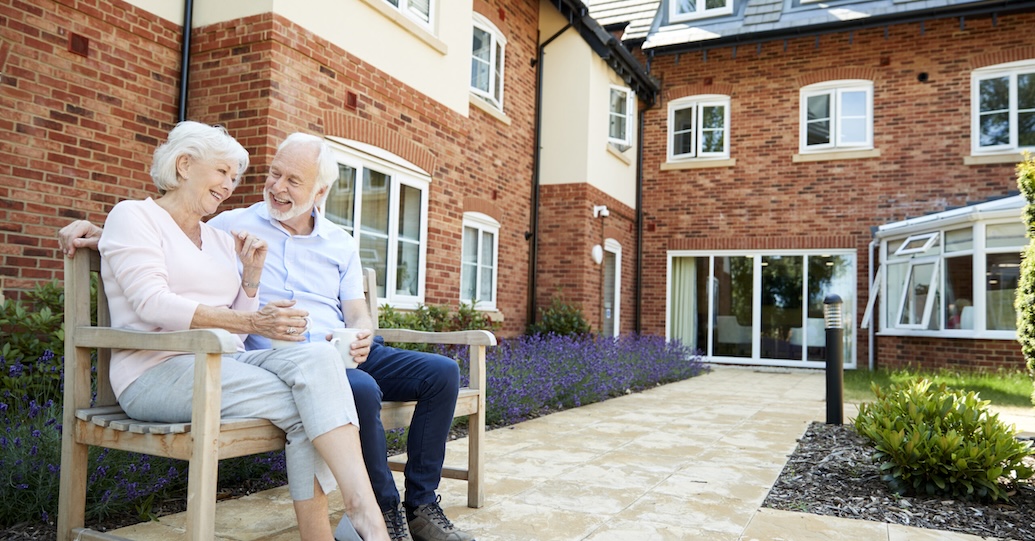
296	209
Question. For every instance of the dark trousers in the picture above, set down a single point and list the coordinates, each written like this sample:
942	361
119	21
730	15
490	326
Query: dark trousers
398	375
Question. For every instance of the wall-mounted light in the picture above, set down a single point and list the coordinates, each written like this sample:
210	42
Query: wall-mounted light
600	210
598	254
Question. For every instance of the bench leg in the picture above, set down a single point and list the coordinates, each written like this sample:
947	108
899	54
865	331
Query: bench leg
72	495
475	479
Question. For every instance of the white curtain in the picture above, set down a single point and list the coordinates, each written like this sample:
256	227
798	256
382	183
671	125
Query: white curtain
684	301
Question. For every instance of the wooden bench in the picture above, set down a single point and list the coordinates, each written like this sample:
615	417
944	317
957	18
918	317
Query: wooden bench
207	438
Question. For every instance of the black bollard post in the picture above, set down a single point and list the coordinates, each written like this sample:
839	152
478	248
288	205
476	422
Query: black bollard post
835	359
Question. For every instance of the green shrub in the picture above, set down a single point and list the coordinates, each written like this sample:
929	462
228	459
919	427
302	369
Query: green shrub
561	318
934	440
1023	302
32	347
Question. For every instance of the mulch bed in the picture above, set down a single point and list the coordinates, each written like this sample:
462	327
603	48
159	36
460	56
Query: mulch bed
831	473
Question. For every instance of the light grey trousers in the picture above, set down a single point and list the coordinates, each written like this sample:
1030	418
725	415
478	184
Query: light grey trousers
301	389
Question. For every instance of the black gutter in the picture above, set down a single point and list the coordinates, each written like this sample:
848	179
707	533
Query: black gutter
964	11
533	235
188	17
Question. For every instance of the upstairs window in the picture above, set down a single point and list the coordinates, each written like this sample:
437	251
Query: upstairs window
418	10
837	115
620	121
685	10
487	61
699	128
1003	108
478	263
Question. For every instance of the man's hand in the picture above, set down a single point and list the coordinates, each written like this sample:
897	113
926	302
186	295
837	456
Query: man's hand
78	234
361	347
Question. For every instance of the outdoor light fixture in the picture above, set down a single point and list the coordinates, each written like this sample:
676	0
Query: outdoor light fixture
598	254
835	336
600	211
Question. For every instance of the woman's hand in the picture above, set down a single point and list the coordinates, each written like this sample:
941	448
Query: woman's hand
278	320
251	250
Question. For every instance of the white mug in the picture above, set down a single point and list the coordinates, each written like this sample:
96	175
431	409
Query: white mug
342	340
277	344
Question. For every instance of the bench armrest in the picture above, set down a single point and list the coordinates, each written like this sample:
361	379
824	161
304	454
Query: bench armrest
470	338
193	341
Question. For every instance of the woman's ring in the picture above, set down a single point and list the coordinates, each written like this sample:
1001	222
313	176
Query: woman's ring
291	330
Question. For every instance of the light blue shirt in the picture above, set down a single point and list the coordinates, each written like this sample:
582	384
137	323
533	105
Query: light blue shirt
319	270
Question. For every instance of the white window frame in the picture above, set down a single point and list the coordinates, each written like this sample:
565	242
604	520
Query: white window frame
698	103
835	90
889	315
497	49
482	224
615	247
1009	70
401	173
626	140
701	11
932	293
407	8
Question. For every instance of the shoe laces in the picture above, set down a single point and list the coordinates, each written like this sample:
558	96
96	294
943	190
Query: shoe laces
433	512
396	523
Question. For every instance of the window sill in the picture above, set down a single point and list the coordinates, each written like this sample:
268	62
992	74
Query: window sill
699	164
1009	157
488	108
836	155
619	154
408	24
964	334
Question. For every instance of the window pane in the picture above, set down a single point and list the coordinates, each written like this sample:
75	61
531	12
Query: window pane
1000	290
995	129
686	6
959	240
994	109
341	201
469	264
373	225
853	104
619	104
714	4
1005	235
818	122
829	274
893	288
498	79
682	130
480	60
713	128
853	130
690	281
782	287
733	309
407	271
617	128
421	8
916	294
487	289
959	292
409	213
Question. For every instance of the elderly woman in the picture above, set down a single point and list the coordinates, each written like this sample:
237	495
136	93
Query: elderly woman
166	270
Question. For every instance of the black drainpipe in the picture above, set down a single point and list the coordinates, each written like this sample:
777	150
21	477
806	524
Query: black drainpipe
638	327
188	15
533	235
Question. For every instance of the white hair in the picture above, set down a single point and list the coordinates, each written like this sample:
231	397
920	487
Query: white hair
326	163
200	142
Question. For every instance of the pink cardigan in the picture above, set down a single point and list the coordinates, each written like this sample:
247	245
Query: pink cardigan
155	279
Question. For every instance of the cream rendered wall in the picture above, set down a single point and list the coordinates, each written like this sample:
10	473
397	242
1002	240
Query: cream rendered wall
436	64
576	98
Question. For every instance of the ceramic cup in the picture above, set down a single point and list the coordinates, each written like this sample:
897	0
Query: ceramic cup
342	340
277	344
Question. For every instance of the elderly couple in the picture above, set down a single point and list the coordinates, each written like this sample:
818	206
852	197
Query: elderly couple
261	272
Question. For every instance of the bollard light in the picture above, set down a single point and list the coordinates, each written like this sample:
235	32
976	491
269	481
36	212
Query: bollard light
835	359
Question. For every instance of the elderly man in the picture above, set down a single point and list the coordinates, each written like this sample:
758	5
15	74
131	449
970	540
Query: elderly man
316	263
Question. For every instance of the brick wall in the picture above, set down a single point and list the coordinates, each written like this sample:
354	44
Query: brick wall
79	132
921	129
76	131
567	233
